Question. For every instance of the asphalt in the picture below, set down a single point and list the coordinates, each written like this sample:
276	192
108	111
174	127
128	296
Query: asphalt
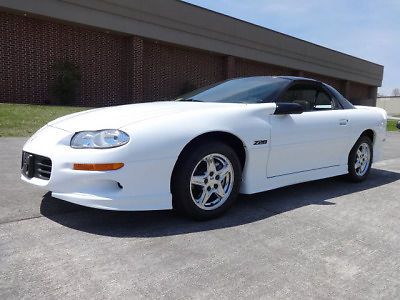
318	240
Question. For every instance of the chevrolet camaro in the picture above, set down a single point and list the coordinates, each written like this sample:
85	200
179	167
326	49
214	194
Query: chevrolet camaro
198	152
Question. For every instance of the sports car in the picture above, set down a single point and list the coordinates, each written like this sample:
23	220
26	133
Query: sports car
198	152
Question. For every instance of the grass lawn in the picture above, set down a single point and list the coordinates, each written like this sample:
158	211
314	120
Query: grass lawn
24	119
391	125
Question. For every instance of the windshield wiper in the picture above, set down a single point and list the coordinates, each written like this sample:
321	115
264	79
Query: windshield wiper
189	100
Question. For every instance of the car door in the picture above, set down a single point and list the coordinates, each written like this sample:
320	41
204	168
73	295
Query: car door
312	140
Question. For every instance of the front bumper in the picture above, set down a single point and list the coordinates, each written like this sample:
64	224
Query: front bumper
139	185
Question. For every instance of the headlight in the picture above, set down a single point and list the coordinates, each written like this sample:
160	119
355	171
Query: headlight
108	138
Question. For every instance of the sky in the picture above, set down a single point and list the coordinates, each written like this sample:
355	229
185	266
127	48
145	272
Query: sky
369	29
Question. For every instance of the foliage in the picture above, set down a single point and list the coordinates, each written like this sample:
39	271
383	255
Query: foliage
187	87
67	82
391	125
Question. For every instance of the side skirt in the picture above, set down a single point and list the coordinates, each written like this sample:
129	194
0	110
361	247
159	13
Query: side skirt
294	178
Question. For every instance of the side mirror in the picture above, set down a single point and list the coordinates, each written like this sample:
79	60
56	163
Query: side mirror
288	108
398	125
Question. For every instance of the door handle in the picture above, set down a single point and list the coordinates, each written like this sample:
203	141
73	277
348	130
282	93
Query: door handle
343	122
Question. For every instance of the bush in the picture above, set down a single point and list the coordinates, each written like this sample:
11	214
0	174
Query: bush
67	82
187	87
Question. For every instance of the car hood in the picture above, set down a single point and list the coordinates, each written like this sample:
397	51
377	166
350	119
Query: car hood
119	116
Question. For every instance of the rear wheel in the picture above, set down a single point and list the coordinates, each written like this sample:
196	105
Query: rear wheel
206	181
360	159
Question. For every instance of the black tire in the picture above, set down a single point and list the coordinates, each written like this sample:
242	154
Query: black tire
354	174
181	185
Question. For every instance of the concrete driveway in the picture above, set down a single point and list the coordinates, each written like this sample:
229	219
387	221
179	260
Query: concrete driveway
323	239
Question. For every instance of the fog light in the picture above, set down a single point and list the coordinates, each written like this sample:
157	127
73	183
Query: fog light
98	167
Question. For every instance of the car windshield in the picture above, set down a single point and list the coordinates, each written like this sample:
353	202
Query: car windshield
240	90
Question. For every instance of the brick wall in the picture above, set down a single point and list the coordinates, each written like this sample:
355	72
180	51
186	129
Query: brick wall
359	92
29	47
251	68
117	69
336	83
168	68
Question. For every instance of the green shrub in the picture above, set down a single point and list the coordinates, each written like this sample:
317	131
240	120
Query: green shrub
187	87
67	82
391	125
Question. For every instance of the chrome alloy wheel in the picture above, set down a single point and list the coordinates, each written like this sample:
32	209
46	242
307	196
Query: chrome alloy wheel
363	159
211	182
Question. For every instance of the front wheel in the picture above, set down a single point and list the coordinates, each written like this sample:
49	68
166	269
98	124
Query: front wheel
360	159
206	181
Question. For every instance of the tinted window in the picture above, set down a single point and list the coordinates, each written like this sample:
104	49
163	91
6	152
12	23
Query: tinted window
303	95
241	90
324	102
310	96
343	101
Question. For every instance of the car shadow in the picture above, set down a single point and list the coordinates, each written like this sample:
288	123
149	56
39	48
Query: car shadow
248	209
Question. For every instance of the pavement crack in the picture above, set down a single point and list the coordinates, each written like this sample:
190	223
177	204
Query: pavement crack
19	220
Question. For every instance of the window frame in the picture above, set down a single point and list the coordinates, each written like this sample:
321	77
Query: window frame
318	86
336	103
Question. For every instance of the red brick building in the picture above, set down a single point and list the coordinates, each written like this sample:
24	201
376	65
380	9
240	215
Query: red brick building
133	51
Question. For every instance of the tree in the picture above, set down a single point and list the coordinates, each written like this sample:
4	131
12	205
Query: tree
396	92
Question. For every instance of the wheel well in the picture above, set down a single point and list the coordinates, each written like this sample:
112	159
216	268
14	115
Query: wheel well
369	133
220	136
227	138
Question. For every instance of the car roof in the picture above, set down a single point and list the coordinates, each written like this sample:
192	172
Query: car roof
295	78
291	78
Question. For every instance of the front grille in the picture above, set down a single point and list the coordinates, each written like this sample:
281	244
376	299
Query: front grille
34	165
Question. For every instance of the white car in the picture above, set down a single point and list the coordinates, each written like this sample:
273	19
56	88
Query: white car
198	152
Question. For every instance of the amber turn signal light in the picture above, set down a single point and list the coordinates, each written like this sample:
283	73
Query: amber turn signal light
98	167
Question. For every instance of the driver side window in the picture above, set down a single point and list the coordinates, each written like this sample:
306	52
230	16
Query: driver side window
324	102
305	96
311	98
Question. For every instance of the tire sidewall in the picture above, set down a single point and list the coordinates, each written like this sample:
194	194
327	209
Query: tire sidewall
352	157
182	199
